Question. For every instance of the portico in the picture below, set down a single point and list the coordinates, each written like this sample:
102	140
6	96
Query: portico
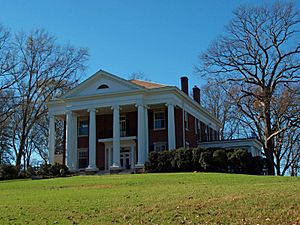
122	142
113	124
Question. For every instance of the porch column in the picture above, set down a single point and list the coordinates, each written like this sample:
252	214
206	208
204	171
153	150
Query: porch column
146	133
92	141
171	127
75	144
116	137
71	133
51	142
141	136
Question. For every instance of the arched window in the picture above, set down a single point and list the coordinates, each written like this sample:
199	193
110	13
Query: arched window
103	86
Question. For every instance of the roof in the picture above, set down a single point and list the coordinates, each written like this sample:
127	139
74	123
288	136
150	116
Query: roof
147	84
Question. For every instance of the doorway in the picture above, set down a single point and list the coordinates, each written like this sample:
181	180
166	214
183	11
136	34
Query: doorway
125	158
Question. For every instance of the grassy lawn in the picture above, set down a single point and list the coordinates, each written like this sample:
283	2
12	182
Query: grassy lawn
179	198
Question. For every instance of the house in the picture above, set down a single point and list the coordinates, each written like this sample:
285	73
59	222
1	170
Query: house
112	123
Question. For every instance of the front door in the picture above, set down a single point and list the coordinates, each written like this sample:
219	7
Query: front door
125	161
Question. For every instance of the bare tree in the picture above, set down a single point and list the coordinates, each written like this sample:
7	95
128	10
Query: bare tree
139	75
286	109
259	53
7	62
215	98
45	70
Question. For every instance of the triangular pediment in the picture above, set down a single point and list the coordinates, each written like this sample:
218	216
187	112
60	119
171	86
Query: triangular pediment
101	82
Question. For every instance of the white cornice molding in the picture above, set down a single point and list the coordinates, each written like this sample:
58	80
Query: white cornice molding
98	74
183	98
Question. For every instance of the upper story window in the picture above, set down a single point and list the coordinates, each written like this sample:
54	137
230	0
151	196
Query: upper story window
83	127
159	120
186	120
103	86
122	126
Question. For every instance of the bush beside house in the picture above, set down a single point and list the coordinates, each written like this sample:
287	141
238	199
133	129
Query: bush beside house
208	160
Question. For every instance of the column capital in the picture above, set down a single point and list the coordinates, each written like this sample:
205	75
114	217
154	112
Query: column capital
141	105
70	112
170	104
115	107
92	110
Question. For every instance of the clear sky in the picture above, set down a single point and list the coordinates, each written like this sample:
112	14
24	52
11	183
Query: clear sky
161	38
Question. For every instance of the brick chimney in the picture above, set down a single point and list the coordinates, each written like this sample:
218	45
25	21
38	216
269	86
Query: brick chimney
196	94
185	85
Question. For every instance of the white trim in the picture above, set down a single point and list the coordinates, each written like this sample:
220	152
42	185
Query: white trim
100	73
151	96
235	143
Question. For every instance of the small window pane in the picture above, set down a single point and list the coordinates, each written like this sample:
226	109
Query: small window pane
83	129
159	120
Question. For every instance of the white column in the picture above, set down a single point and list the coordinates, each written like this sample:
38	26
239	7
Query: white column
51	142
70	139
141	136
146	133
92	141
171	127
75	145
116	137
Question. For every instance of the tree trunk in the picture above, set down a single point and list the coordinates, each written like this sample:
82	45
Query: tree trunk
20	154
269	144
278	169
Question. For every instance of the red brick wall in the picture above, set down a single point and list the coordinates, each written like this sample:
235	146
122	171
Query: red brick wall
131	123
190	135
178	127
83	142
100	156
104	125
157	135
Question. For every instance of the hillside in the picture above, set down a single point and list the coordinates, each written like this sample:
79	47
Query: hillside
178	198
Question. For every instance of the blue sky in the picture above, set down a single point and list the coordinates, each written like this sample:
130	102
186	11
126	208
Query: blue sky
160	38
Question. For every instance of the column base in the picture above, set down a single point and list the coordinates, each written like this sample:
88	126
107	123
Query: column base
114	169
139	168
139	165
91	170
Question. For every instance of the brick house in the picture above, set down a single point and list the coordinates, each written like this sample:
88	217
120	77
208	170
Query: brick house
112	123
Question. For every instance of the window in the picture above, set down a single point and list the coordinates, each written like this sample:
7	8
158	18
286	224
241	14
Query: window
123	126
186	120
103	86
83	158
159	120
160	146
83	127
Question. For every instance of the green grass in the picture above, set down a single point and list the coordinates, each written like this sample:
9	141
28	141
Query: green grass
178	198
